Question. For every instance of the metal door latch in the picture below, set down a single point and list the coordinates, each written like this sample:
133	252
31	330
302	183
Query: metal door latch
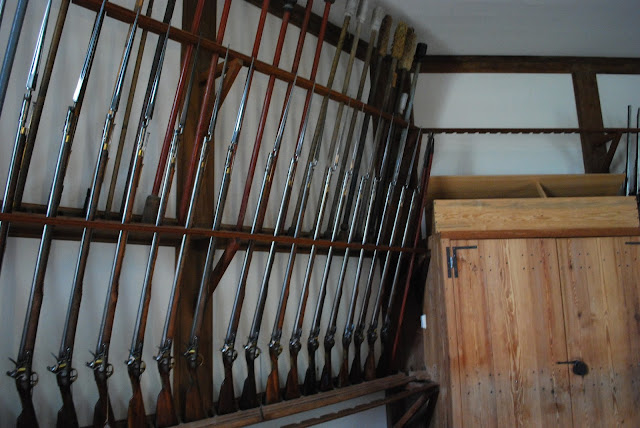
579	367
452	258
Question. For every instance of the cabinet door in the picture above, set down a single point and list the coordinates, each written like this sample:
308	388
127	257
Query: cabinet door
510	334
602	316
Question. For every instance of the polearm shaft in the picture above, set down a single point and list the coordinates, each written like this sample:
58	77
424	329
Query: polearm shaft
375	175
165	411
249	398
12	45
21	133
102	368
388	210
38	104
232	247
292	387
63	368
24	376
153	199
426	173
132	90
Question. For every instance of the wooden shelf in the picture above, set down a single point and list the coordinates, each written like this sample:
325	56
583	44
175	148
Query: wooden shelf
536	218
408	383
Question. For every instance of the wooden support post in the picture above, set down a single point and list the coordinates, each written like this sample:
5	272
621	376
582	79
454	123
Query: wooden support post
197	252
585	86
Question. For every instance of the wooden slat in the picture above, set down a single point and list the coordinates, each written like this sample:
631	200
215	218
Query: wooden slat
438	341
303	404
587	97
429	390
523	186
528	64
599	279
592	213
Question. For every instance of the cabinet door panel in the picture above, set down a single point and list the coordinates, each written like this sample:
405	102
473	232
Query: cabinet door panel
510	334
602	318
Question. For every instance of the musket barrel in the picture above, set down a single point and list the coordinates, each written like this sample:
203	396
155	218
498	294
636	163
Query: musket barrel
38	104
12	45
23	373
21	134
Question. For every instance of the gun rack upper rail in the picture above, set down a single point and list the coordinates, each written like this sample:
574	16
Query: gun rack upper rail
185	37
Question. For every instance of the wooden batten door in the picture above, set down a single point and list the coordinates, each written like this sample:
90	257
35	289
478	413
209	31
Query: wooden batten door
509	326
516	308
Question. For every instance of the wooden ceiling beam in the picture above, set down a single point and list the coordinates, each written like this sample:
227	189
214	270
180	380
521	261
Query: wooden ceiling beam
472	63
529	64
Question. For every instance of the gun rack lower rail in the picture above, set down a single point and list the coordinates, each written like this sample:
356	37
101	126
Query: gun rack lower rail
399	386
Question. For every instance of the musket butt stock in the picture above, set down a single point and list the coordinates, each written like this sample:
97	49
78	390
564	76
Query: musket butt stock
151	207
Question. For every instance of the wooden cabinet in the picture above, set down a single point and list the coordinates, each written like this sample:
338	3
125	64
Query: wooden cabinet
502	313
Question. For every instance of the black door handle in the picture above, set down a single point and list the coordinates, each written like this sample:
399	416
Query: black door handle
579	367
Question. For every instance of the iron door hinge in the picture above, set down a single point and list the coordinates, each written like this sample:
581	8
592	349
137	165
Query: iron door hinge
452	258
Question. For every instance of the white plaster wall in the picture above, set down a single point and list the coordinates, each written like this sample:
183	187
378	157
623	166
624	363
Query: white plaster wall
500	101
473	100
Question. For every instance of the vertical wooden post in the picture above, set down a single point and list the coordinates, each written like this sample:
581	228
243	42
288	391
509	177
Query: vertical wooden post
203	216
585	86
